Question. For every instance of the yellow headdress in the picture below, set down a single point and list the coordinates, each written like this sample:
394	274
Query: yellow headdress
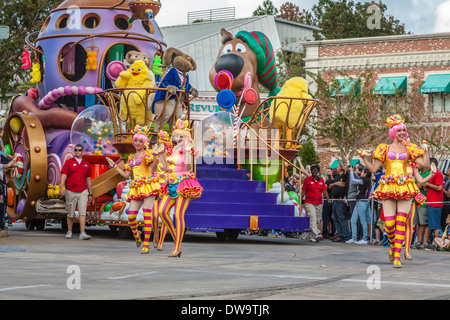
394	120
144	131
182	125
182	128
141	130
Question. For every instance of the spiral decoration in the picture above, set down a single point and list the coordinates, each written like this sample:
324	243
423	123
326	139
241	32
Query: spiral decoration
57	93
68	153
53	169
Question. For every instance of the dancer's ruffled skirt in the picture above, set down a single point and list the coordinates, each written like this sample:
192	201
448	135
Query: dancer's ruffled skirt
186	186
143	188
395	191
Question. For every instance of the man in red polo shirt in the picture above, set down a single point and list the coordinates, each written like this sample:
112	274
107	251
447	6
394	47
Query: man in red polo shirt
435	197
76	176
313	189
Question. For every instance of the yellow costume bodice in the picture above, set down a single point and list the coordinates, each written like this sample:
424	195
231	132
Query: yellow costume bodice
142	185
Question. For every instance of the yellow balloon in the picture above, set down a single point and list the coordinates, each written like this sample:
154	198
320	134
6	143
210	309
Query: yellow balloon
15	125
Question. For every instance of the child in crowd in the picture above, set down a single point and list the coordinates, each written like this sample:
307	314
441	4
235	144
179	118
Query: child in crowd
443	242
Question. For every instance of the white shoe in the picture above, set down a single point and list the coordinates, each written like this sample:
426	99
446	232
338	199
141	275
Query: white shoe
69	234
362	242
351	241
84	236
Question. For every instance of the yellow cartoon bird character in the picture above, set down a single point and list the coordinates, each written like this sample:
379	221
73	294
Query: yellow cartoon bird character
288	114
137	76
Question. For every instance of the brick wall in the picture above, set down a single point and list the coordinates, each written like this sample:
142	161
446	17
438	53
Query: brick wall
384	47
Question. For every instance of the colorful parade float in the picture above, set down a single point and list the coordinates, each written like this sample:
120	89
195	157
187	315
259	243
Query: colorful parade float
76	60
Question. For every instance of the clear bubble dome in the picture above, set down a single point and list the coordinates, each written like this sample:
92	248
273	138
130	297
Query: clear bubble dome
94	130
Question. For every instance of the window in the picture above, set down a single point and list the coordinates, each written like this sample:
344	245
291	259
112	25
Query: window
148	26
440	102
62	22
72	62
91	21
121	22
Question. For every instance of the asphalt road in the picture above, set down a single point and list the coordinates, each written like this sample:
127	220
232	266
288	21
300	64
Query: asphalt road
44	265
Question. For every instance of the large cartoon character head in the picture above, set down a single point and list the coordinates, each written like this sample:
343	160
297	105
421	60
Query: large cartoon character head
247	52
133	56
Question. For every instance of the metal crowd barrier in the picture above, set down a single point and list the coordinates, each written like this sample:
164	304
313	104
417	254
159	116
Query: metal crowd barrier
372	201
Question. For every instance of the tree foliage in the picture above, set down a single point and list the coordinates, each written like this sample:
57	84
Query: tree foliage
267	8
308	153
22	17
349	120
290	64
292	12
348	19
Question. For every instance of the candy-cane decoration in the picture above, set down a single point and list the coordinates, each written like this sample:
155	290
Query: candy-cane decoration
53	169
55	94
247	86
68	153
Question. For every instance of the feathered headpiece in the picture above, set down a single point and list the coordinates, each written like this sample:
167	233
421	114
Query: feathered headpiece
182	125
141	130
163	136
394	120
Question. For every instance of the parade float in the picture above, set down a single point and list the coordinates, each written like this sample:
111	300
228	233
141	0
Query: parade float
75	60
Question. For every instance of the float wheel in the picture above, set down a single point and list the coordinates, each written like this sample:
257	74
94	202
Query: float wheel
25	136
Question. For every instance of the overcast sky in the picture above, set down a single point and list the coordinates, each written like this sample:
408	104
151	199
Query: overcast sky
419	16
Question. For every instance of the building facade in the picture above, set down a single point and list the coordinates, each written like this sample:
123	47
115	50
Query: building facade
397	63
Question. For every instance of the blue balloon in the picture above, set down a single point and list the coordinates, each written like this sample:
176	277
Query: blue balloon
226	99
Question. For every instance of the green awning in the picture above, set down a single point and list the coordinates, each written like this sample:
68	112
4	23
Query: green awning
436	83
335	164
346	86
391	85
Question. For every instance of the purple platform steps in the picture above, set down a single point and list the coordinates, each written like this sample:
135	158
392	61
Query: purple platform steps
229	200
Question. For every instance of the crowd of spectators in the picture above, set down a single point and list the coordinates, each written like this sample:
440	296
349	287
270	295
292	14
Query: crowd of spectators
339	204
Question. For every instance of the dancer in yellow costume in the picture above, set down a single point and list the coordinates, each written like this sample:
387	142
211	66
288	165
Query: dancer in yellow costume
397	189
143	189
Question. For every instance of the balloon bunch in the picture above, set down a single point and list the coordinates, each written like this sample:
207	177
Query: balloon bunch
227	98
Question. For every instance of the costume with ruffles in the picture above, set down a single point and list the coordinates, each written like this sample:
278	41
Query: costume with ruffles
396	183
143	184
179	181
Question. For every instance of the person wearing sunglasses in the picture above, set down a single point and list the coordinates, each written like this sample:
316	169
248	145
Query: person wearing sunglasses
76	177
143	188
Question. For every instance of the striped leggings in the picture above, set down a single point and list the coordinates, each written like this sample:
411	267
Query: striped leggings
181	204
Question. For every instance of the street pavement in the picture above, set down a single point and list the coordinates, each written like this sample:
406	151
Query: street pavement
44	265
